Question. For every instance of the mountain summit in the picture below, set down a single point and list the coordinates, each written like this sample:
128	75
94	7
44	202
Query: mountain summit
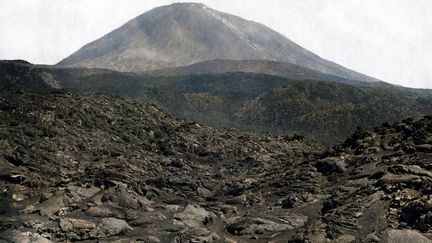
185	33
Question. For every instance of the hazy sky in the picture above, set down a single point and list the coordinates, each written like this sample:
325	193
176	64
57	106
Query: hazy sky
387	39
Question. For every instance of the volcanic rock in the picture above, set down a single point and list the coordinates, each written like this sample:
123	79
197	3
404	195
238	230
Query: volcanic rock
90	169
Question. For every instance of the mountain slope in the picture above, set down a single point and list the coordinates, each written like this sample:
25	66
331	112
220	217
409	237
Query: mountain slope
186	33
329	112
325	111
282	69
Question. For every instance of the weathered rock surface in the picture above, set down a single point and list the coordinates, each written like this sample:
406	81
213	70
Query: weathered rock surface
406	236
103	168
193	216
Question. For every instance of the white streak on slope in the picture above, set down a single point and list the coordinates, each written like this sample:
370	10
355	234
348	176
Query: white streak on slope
236	31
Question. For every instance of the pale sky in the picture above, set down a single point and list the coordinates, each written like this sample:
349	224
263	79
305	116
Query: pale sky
388	39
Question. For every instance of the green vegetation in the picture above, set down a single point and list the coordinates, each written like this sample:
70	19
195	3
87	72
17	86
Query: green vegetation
325	111
329	112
